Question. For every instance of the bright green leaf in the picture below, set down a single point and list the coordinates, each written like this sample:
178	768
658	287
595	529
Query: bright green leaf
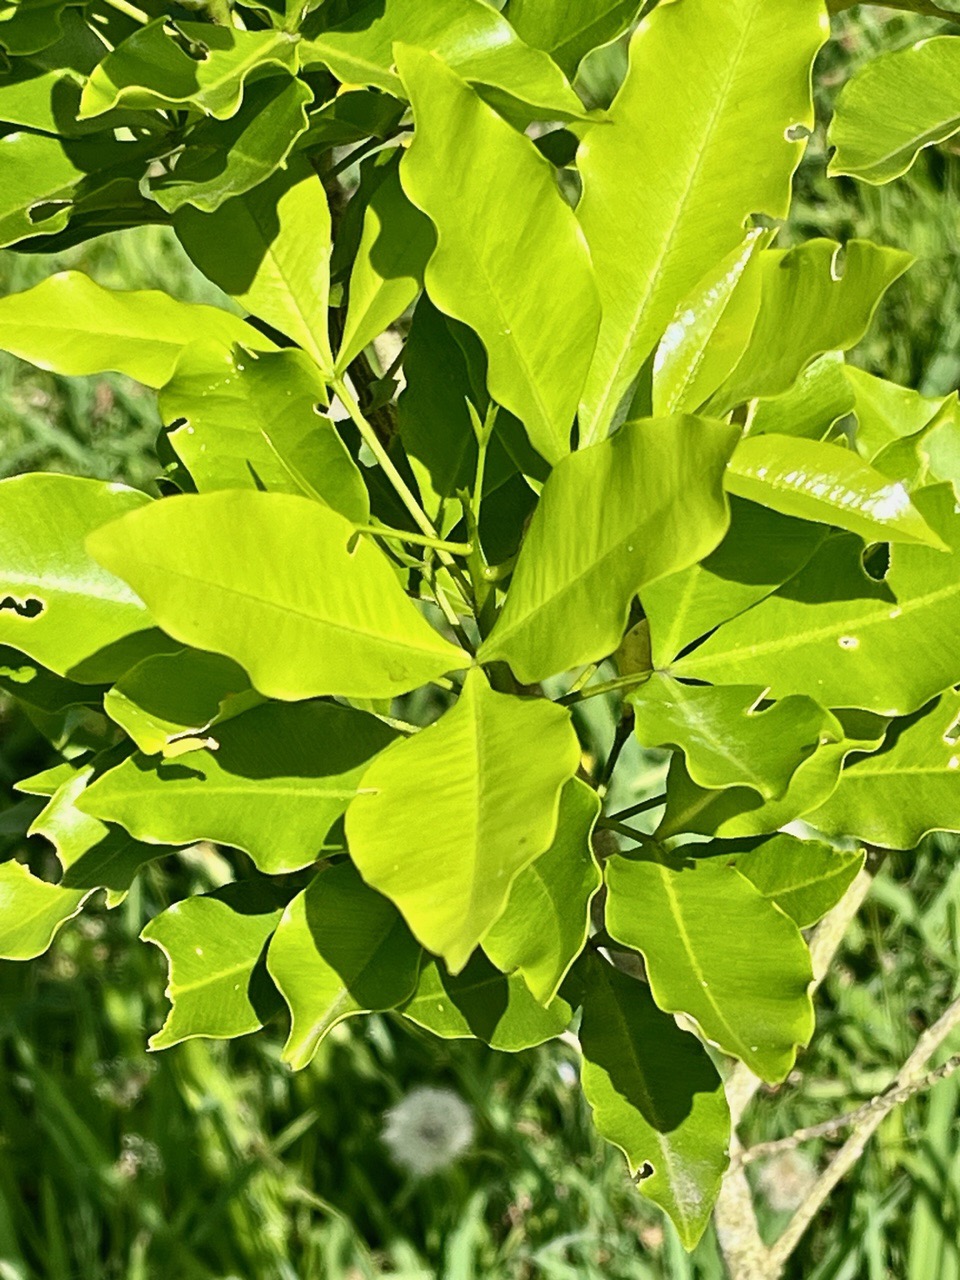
805	878
826	483
489	772
812	407
217	572
339	950
151	68
836	634
213	987
270	249
654	492
71	325
727	736
538	338
667	192
484	1004
656	1095
887	413
32	911
272	782
702	930
547	918
895	106
254	422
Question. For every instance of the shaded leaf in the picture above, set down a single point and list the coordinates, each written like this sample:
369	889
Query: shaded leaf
656	1095
217	573
805	878
491	769
339	950
702	931
547	917
568	31
655	494
277	780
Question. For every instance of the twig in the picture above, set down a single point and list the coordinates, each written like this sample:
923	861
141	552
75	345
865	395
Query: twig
883	1103
851	1151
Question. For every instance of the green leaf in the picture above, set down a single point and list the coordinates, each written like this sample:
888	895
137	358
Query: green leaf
32	911
489	773
538	337
761	551
822	303
152	67
339	950
666	194
31	683
805	878
836	634
91	854
31	25
57	605
829	484
702	931
656	1095
738	812
812	407
277	780
175	696
39	180
270	249
910	787
888	413
71	325
568	31
468	35
213	987
223	159
727	735
895	106
710	330
246	421
655	494
218	573
387	275
547	917
483	1004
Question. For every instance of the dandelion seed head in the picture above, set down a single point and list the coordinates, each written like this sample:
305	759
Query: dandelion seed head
428	1130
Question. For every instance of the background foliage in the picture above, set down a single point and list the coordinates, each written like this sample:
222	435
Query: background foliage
216	1161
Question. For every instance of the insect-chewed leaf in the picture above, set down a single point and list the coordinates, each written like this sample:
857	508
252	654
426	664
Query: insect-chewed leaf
656	225
718	951
656	1095
491	770
805	878
484	1004
214	943
340	949
219	572
272	781
655	495
547	917
538	338
249	421
32	911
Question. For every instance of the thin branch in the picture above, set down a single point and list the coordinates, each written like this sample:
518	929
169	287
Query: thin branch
882	1104
910	1073
608	686
653	802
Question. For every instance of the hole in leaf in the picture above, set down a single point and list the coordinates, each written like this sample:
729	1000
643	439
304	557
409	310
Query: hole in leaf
797	133
876	560
29	608
645	1171
45	209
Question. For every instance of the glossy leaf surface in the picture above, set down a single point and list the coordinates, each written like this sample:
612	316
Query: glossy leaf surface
339	950
700	930
655	491
656	1095
274	783
538	339
216	572
805	878
547	917
493	768
666	194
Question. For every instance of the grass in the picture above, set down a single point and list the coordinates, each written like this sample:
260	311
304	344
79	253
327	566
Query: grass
214	1162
